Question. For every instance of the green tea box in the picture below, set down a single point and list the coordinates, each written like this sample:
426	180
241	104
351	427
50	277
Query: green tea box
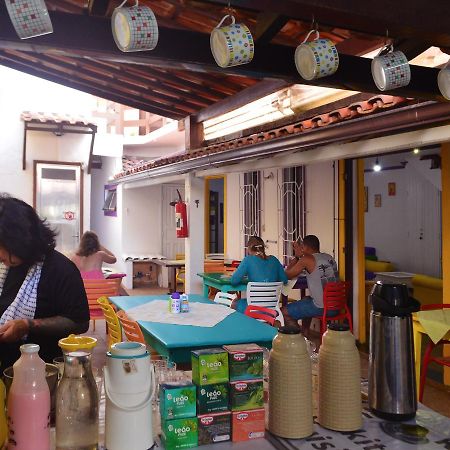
212	398
209	366
245	361
214	428
245	395
179	433
247	425
177	400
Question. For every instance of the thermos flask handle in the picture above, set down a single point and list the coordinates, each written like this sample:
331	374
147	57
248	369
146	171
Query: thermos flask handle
140	405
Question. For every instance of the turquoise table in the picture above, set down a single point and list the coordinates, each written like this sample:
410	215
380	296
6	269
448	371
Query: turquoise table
220	281
177	341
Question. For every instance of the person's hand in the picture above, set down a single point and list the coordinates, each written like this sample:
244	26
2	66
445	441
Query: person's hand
14	330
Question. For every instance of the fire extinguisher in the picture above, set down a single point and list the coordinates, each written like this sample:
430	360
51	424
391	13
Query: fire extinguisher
181	218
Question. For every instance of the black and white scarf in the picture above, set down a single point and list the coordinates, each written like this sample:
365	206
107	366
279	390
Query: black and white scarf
24	305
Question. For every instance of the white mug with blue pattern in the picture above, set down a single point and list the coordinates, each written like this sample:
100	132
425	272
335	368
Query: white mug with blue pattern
231	45
316	59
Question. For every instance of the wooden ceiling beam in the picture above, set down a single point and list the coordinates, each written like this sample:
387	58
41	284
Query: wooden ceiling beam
156	88
268	26
47	73
116	85
401	18
247	95
98	7
185	50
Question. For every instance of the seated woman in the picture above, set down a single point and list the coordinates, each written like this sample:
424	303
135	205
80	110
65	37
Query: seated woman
90	257
257	266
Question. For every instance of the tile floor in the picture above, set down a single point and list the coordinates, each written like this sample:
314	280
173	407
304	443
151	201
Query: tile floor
436	396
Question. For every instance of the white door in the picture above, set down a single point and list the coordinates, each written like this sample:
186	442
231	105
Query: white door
424	234
58	199
171	244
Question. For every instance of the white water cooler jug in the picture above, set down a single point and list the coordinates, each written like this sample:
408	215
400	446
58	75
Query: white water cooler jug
129	389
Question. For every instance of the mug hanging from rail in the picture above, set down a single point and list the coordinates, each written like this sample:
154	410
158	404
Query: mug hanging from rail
390	70
134	28
316	59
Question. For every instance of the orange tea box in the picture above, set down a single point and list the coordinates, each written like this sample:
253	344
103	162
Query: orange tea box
246	425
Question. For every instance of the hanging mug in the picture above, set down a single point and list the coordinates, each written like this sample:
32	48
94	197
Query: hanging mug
134	28
29	17
231	45
316	59
443	80
390	70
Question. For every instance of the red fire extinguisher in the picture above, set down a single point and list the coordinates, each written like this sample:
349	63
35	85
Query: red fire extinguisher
181	218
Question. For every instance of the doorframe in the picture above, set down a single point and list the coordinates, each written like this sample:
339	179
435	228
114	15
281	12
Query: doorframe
61	163
215	177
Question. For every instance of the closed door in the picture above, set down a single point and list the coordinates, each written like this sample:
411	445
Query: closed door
58	199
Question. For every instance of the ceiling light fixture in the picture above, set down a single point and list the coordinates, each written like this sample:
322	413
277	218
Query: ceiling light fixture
416	151
376	166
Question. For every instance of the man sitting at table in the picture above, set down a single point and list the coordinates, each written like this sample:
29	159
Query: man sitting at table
320	268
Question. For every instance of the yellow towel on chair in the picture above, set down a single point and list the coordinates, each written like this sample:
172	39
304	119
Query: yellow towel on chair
436	323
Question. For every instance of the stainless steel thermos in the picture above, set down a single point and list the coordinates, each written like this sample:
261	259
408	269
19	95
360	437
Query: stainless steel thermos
392	382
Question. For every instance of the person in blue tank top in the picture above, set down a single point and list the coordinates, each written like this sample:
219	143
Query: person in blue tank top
257	266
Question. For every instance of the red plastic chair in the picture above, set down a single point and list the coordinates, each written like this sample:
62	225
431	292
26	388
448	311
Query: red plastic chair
442	361
259	312
335	295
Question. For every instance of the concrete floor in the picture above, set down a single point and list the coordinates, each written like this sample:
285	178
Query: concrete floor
436	396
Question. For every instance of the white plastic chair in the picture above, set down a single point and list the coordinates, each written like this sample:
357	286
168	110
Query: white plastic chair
224	298
266	295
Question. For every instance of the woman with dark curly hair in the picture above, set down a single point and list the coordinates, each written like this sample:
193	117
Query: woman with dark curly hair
42	297
90	256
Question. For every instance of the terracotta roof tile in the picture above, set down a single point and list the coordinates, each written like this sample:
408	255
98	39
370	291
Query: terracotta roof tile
28	116
357	109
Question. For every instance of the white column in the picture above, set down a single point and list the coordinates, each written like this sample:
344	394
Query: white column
195	243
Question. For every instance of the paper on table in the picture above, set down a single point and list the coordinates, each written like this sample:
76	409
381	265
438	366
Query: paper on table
200	314
435	322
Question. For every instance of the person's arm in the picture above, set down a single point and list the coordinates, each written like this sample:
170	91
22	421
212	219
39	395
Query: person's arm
107	256
240	272
14	330
294	270
292	262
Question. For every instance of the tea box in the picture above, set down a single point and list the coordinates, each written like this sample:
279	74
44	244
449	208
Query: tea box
246	425
209	366
246	395
212	398
245	361
214	428
177	400
179	433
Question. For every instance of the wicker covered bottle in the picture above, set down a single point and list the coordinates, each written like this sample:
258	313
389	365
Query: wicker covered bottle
339	380
290	398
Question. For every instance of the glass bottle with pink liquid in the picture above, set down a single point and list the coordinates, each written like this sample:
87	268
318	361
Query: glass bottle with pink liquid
29	403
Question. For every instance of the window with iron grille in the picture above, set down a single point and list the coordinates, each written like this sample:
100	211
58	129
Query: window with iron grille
250	205
293	211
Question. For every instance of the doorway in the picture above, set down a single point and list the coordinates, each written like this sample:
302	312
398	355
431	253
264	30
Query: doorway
58	198
215	214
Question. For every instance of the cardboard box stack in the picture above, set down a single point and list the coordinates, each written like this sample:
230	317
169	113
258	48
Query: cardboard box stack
210	375
246	391
224	402
177	405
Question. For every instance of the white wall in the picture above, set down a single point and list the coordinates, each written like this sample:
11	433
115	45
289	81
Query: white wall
319	205
109	229
142	220
320	195
234	248
406	228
